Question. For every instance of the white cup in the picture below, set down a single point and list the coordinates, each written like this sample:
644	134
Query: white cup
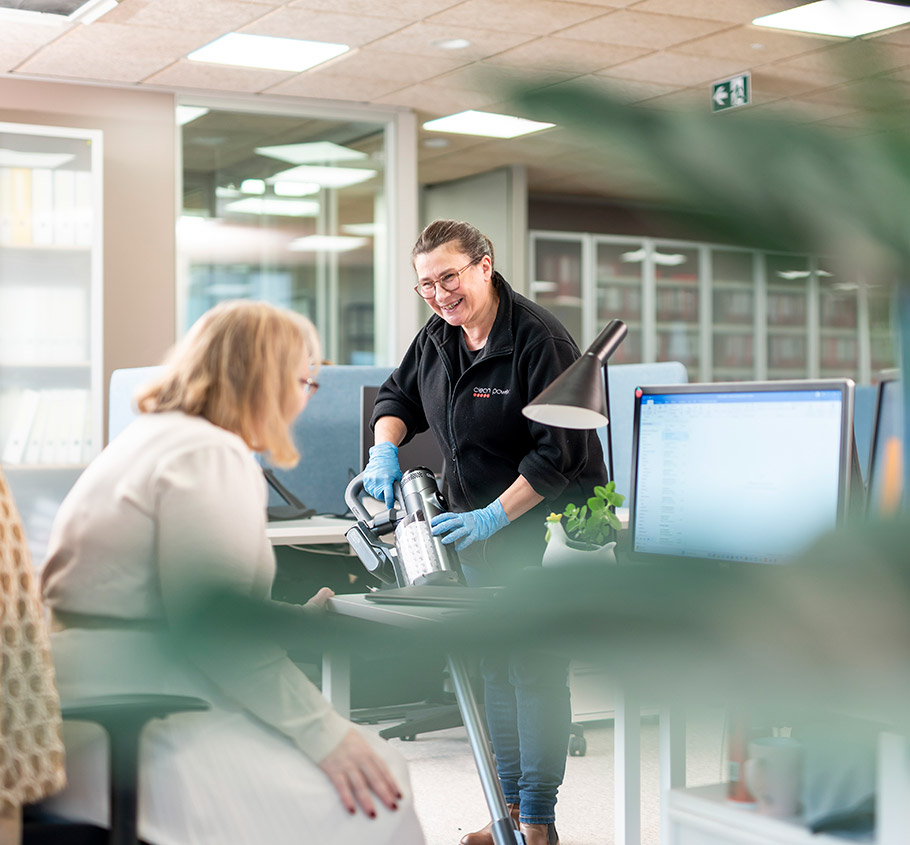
774	774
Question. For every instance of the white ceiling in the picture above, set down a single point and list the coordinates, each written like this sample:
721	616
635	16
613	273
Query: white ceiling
659	53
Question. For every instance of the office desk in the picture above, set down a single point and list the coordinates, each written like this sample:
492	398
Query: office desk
317	530
627	722
336	685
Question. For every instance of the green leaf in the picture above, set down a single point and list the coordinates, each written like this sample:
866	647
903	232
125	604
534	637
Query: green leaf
604	492
596	504
613	519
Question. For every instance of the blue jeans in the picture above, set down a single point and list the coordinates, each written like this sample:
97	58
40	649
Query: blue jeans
526	696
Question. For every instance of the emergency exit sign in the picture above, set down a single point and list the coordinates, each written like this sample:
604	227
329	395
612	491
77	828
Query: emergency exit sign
732	92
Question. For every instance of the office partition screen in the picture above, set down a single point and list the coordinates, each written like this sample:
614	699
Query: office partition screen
749	472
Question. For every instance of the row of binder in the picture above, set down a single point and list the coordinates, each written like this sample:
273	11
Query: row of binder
43	324
44	207
46	427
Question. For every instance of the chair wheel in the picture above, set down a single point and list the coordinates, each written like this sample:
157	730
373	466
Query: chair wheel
578	746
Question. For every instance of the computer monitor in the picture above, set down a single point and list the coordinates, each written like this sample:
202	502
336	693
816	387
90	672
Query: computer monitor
421	451
747	472
885	490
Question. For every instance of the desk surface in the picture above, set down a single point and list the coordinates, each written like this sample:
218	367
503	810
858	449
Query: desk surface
316	530
399	615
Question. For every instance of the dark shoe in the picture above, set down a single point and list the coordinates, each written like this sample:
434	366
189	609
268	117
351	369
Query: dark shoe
485	836
539	834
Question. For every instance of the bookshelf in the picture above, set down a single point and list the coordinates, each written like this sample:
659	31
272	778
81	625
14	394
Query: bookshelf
50	315
727	313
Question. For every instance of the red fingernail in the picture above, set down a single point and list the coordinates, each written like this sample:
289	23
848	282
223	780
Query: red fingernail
372	814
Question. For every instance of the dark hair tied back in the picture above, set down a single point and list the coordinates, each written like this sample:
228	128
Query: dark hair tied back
471	241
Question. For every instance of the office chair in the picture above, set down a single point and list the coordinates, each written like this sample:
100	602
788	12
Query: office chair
123	717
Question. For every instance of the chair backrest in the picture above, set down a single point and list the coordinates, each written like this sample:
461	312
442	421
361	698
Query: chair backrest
327	434
622	380
124	384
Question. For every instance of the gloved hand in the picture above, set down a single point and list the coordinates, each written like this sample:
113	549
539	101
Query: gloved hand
466	528
381	473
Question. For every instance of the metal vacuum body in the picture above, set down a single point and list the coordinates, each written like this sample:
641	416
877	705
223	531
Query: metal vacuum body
417	557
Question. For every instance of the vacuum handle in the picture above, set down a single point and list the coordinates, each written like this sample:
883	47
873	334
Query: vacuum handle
353	497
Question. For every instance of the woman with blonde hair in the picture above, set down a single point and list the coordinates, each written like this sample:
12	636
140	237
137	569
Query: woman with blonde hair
175	507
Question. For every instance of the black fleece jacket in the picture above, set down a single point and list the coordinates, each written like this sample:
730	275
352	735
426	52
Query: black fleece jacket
476	418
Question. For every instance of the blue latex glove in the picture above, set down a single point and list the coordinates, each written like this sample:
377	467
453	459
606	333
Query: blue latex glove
381	473
466	528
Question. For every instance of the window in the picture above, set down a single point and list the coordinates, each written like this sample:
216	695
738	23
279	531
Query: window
289	208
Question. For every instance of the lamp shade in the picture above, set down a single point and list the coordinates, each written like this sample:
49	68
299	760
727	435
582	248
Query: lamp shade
577	398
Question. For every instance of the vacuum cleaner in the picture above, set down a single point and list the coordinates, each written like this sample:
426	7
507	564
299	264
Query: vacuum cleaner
416	558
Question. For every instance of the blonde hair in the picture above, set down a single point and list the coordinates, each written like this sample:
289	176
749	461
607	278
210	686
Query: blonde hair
238	368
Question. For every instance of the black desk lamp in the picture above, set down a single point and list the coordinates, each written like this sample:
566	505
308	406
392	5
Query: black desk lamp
580	397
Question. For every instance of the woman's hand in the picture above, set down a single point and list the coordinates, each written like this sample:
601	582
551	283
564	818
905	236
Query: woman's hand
319	600
466	528
358	773
381	473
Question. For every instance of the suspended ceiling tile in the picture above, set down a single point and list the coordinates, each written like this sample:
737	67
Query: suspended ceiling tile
201	75
437	100
410	9
741	11
805	110
753	45
335	87
353	30
215	17
405	68
688	99
676	69
419	39
111	52
901	35
19	41
630	90
772	84
567	54
535	17
636	29
500	81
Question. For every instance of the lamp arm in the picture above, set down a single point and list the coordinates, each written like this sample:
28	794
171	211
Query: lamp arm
609	455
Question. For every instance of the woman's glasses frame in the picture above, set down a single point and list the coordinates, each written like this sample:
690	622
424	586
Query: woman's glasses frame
449	282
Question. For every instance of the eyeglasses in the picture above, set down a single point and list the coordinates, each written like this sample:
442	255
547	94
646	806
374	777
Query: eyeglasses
310	385
449	282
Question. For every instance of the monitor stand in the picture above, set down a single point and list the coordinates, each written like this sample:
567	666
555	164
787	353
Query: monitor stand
295	509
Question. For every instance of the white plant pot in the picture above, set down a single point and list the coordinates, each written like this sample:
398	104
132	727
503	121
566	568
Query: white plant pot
561	551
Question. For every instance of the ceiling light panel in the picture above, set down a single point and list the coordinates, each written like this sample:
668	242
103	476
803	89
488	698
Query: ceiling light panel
842	18
316	152
325	177
274	207
267	52
488	124
326	243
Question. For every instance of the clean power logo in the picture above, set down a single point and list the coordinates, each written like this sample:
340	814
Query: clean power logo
487	392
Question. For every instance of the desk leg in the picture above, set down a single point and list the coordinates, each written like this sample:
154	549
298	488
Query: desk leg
672	744
627	768
336	680
504	832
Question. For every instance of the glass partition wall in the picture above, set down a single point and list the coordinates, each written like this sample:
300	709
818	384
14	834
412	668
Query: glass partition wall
289	208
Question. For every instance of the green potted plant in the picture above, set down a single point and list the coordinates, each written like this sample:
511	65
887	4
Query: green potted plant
582	534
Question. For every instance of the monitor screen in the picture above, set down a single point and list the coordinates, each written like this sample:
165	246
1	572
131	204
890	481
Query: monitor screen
750	472
420	451
886	458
